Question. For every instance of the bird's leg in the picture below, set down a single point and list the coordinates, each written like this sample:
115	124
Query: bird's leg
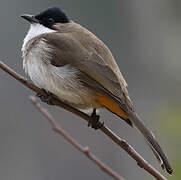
94	122
47	98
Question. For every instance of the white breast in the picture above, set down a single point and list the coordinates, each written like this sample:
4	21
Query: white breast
61	81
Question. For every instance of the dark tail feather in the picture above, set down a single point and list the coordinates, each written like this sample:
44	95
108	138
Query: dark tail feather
151	141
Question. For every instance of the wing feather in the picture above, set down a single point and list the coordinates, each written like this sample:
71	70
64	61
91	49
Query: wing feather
98	73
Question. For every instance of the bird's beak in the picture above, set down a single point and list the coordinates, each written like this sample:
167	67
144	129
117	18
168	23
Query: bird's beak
30	18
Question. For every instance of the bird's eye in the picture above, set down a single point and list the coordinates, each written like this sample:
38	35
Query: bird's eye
51	20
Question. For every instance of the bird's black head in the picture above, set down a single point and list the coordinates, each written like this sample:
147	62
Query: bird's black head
48	17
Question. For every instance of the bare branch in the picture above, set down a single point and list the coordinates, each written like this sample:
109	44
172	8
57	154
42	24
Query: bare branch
122	143
57	128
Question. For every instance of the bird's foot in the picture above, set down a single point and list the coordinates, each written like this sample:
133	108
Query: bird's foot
47	98
94	122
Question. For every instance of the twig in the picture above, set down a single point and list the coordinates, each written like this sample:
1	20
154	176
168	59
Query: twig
122	143
57	128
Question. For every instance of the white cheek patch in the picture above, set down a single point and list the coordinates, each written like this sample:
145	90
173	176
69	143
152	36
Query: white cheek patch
35	30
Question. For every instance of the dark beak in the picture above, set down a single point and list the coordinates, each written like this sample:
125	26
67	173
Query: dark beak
30	18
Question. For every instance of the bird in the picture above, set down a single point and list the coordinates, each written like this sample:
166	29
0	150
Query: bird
68	61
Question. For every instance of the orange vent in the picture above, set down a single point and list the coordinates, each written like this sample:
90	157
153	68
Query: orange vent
111	105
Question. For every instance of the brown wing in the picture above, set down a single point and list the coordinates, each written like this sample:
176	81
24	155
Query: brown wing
100	73
92	44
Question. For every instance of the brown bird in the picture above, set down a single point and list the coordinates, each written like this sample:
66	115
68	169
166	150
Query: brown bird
70	62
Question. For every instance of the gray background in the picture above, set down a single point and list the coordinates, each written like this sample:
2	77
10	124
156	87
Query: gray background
145	39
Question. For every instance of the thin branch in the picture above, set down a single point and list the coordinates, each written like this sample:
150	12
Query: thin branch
122	143
57	128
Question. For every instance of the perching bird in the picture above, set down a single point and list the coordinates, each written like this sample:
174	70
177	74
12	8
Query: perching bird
67	60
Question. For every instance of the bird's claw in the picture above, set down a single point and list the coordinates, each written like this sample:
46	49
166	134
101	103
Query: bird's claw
47	98
94	122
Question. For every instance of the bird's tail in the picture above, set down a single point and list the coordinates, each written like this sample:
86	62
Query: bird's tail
157	150
133	119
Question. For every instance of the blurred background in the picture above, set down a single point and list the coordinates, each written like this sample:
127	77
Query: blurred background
145	39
